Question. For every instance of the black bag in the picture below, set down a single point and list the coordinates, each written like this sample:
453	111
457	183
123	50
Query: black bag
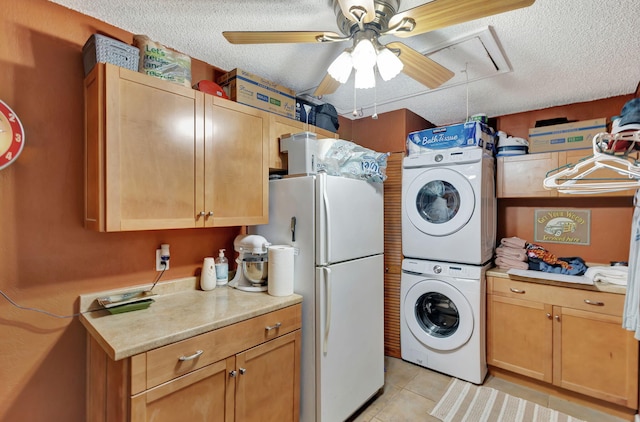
327	117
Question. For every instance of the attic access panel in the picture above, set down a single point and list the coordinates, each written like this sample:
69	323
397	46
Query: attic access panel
479	54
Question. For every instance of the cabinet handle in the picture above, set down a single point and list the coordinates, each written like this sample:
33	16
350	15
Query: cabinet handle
210	214
520	292
594	303
201	214
557	317
549	315
233	373
191	357
273	327
242	371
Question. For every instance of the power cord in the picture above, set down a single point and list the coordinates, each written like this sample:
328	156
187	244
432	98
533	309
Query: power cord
26	308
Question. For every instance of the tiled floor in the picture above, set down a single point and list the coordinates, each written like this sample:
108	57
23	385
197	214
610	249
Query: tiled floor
411	392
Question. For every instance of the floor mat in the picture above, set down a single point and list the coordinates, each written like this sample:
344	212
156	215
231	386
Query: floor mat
466	402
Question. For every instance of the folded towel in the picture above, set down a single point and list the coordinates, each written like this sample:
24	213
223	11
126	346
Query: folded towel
614	275
515	253
513	242
509	263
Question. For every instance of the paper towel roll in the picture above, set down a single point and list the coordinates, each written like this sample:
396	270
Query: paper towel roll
208	275
280	273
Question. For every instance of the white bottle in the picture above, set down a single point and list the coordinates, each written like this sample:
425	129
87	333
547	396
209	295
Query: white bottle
208	275
222	269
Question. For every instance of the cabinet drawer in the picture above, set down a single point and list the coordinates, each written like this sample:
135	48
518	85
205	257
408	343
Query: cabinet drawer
173	360
588	300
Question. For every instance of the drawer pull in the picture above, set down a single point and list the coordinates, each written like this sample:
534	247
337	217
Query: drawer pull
191	357
520	292
273	327
594	303
548	315
233	373
243	371
557	317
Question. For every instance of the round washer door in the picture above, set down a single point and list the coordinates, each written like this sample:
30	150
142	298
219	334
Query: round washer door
440	201
438	315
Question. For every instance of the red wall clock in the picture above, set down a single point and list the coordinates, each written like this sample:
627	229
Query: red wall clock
11	136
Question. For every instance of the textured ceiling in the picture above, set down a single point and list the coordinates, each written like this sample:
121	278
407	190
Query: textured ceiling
559	51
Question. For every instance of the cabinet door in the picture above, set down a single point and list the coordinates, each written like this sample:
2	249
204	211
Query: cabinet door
280	127
519	336
236	173
205	395
574	156
522	176
141	133
323	133
392	254
594	355
268	384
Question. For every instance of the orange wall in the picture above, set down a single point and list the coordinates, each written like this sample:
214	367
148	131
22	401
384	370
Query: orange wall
47	258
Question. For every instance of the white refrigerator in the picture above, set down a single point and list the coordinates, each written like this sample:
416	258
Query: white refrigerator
336	225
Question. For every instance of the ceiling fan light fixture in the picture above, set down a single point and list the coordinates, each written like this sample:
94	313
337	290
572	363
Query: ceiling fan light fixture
389	65
340	69
364	55
365	78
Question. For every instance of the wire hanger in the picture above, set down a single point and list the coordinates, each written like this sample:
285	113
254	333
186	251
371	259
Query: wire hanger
579	178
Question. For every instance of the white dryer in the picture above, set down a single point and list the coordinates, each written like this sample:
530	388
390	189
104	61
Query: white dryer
449	206
442	317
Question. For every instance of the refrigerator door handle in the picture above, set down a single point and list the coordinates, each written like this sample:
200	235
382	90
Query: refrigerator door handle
327	241
327	322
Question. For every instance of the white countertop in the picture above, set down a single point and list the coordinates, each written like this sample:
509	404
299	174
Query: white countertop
598	286
180	311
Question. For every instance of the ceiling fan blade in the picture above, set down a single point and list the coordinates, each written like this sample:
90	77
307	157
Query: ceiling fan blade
420	67
364	5
442	13
327	86
282	37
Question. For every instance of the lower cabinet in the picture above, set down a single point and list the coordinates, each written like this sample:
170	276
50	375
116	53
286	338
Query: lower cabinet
198	379
570	338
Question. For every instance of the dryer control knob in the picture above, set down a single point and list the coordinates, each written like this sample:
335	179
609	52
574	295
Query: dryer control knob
438	158
437	269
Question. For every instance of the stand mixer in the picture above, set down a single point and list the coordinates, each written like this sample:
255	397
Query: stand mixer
252	265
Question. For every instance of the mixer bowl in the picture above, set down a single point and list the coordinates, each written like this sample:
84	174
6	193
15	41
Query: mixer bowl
255	271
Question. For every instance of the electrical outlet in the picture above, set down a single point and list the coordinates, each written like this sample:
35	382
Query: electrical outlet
159	265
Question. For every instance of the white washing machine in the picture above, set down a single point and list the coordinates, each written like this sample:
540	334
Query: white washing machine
449	206
442	317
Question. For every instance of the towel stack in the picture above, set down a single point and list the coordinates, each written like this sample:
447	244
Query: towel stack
612	275
512	253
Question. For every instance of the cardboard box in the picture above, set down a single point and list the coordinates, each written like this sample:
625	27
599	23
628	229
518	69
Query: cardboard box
255	91
576	135
468	134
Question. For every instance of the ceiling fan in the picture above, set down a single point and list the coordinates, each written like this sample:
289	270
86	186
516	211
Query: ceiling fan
364	21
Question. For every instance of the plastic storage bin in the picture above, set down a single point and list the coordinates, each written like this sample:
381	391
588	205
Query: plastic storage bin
102	49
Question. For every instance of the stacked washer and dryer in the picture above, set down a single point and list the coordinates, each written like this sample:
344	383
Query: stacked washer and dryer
448	238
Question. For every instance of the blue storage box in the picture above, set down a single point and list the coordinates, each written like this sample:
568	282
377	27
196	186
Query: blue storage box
469	134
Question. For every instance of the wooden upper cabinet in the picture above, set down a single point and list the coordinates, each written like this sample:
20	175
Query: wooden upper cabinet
522	176
236	182
282	127
151	159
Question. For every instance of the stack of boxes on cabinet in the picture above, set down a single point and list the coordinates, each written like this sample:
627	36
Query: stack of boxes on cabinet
157	60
